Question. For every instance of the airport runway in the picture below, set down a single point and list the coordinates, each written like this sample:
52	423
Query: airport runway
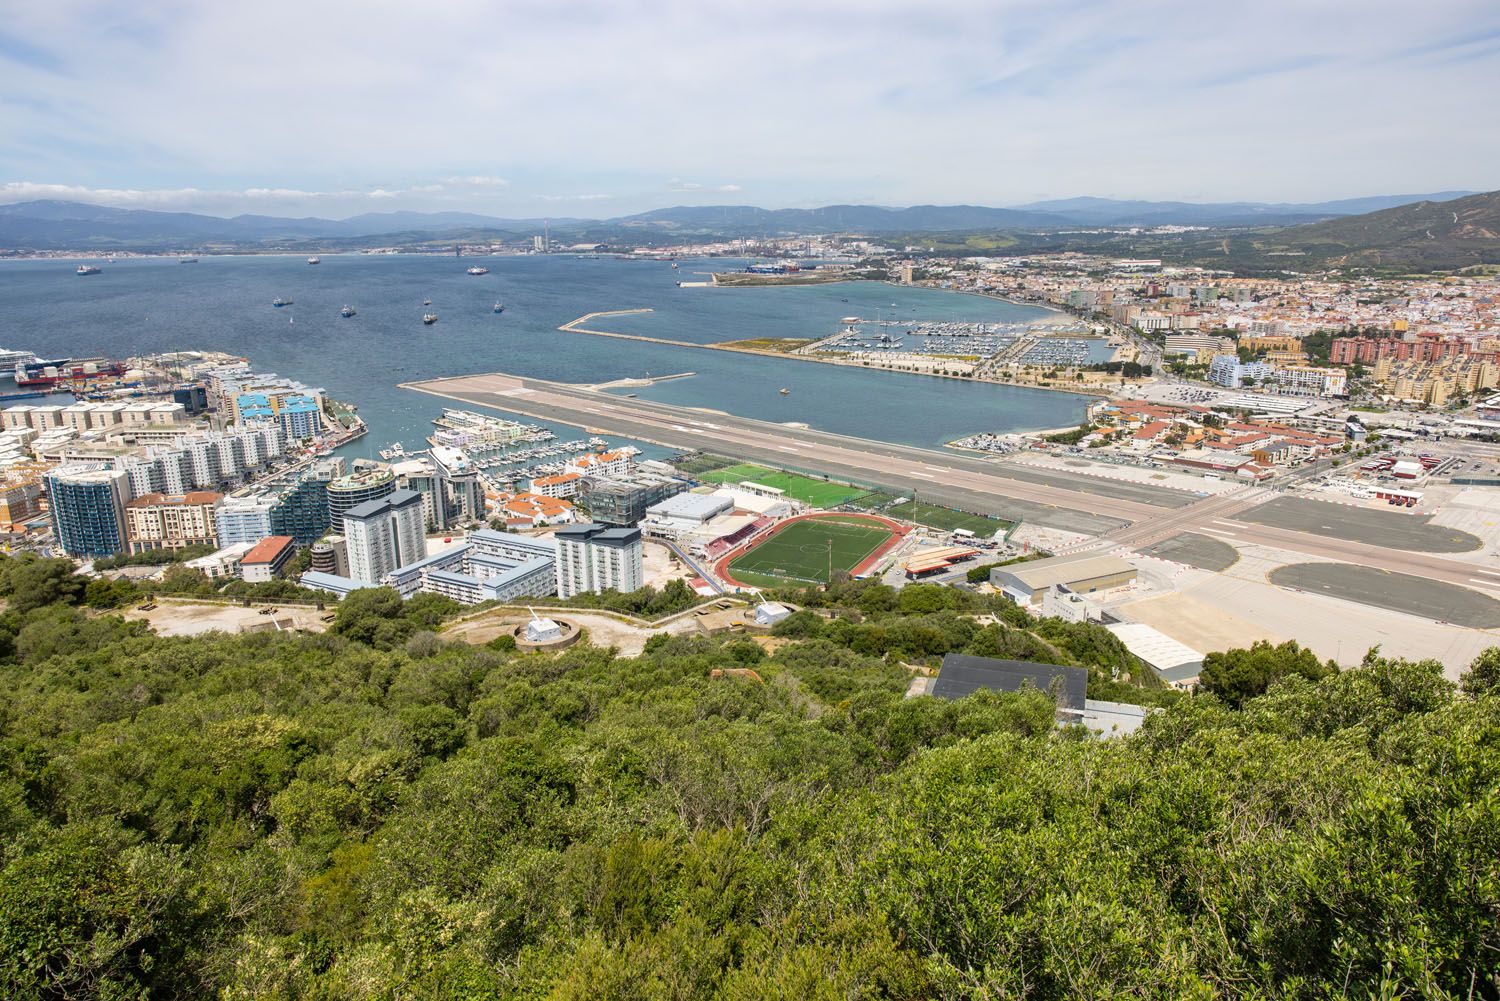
970	483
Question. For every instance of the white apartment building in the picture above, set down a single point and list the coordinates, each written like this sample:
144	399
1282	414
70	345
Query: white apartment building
596	558
599	464
560	486
1308	380
384	535
202	462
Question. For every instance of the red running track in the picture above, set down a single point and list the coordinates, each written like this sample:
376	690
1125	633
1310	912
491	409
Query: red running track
898	532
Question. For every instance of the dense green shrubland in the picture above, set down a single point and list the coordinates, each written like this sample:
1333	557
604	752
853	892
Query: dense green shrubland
380	813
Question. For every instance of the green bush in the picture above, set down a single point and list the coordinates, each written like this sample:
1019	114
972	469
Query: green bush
379	812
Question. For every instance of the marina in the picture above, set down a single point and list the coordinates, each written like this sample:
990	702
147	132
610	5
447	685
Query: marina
506	452
1021	343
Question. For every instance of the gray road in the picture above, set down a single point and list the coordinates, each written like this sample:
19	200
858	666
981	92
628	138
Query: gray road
1397	592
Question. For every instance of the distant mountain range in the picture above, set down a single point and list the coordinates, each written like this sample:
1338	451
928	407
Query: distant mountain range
53	225
59	224
1111	212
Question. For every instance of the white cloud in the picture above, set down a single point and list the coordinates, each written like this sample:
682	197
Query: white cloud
461	105
681	186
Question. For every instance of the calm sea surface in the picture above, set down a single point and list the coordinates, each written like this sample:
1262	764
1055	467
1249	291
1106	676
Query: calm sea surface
224	304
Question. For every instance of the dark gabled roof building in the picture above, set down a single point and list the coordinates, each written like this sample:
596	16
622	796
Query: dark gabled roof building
963	675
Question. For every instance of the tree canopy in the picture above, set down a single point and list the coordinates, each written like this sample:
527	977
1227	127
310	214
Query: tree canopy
381	812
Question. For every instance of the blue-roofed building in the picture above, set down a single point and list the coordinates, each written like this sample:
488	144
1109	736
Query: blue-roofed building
300	418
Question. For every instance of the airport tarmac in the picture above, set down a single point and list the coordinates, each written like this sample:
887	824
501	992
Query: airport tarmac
1191	549
970	483
1222	611
1356	524
1143	492
1396	592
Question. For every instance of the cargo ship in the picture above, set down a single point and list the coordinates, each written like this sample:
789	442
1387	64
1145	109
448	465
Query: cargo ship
87	269
66	371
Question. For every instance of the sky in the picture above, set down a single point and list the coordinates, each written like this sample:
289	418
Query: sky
599	109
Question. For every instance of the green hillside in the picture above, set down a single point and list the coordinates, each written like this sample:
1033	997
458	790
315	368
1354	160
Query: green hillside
1441	235
384	813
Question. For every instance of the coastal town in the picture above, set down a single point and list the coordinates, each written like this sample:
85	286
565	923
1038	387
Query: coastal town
1258	402
804	502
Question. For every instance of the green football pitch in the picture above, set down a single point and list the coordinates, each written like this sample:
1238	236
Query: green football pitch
817	493
802	551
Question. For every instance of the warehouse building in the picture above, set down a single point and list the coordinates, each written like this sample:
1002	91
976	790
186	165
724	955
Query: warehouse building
1085	573
1173	662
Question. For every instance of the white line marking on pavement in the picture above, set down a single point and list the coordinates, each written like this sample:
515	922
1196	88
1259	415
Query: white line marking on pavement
1217	531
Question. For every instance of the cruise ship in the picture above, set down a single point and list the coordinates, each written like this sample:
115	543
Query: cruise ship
10	359
87	269
477	270
314	260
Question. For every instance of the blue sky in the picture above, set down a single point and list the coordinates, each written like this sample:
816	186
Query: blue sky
602	108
